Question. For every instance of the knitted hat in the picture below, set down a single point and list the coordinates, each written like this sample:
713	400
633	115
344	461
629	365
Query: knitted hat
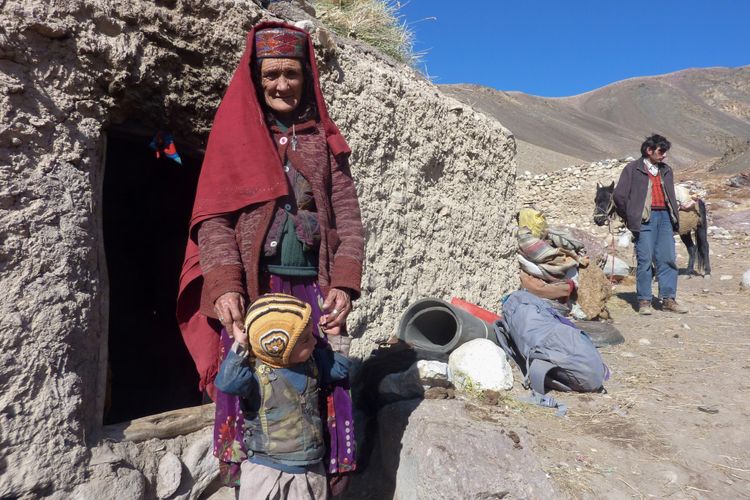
280	42
273	324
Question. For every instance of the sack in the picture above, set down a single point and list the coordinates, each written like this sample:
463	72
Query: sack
550	351
534	220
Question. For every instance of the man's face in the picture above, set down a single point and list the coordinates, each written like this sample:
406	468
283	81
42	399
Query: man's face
304	347
282	81
656	155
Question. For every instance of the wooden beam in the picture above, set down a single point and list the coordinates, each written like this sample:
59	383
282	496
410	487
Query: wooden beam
165	425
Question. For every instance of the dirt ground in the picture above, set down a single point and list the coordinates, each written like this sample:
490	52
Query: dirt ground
674	422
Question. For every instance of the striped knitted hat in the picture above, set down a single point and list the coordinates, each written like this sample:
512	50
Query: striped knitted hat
273	324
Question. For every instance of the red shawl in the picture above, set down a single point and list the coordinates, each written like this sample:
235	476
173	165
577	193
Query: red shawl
241	167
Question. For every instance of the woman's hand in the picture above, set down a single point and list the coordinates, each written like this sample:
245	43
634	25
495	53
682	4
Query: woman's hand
230	309
337	306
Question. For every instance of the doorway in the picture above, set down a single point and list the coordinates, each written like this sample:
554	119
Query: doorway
147	202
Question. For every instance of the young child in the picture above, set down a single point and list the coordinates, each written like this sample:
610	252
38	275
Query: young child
278	384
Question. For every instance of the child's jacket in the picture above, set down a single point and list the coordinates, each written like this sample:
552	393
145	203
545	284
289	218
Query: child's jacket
283	428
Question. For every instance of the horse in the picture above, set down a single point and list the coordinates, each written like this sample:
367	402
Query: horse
692	220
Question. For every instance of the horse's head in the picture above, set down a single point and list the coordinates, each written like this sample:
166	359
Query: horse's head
603	205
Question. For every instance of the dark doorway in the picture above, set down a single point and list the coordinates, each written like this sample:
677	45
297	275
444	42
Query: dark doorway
146	209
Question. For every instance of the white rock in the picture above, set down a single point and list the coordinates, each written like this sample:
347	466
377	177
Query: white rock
169	475
726	277
746	280
306	25
481	365
433	373
644	342
686	326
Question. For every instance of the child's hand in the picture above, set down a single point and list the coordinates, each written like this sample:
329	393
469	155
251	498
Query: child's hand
333	330
239	334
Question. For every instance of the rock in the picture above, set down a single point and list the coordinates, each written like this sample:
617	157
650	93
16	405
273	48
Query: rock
169	475
480	365
411	383
306	25
726	277
644	342
745	283
122	483
401	385
442	451
202	465
433	373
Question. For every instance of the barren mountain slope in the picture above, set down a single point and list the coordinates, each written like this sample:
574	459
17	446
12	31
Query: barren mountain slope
703	112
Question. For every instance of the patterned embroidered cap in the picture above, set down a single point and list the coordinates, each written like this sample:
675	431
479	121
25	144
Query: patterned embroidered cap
280	42
273	324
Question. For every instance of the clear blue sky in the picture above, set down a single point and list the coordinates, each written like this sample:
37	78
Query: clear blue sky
564	47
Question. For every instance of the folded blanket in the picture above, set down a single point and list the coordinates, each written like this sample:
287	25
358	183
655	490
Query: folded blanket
562	237
535	249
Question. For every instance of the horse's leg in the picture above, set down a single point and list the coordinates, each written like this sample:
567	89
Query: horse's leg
688	241
701	239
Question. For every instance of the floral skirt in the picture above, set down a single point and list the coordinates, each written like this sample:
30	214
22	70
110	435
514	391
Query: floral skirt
336	412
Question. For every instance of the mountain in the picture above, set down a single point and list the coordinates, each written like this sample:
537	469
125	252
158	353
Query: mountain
704	113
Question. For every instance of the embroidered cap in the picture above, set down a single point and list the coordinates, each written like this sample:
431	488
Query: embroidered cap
280	42
273	324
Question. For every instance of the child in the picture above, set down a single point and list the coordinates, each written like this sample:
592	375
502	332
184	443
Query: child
278	392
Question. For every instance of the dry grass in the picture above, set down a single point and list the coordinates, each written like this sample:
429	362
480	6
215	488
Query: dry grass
375	22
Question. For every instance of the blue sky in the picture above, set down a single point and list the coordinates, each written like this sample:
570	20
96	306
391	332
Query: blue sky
566	47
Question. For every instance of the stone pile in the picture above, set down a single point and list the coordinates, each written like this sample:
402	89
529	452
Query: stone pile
566	196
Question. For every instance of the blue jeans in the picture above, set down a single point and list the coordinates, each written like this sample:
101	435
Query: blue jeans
654	249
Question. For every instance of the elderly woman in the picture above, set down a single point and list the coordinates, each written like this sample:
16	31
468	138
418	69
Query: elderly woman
275	210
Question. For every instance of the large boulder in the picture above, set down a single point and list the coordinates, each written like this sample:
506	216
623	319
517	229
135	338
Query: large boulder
439	449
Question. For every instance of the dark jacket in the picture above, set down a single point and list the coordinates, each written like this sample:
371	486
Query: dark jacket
632	195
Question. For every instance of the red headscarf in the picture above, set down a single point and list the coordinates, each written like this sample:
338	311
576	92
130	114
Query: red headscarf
241	167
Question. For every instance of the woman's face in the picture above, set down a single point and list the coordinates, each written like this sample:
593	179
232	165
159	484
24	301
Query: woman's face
282	81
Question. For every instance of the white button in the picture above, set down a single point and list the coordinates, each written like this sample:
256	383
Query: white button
283	140
286	168
348	450
346	422
287	207
274	243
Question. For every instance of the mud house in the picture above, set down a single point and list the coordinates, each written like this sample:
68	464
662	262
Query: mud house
92	224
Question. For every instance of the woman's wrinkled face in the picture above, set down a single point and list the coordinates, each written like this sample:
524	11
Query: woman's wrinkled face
282	81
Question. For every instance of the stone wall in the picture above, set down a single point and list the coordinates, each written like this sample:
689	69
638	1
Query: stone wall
435	181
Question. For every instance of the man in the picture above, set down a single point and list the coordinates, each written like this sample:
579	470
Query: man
645	198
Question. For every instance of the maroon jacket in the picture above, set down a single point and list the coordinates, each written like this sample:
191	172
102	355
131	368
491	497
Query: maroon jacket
631	190
231	245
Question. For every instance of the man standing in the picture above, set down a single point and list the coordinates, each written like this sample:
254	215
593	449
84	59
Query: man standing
645	198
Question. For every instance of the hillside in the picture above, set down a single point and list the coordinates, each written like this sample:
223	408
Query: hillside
704	112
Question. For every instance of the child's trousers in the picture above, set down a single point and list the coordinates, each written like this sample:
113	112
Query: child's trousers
259	482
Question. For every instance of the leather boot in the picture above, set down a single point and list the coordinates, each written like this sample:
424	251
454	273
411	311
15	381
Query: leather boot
672	306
